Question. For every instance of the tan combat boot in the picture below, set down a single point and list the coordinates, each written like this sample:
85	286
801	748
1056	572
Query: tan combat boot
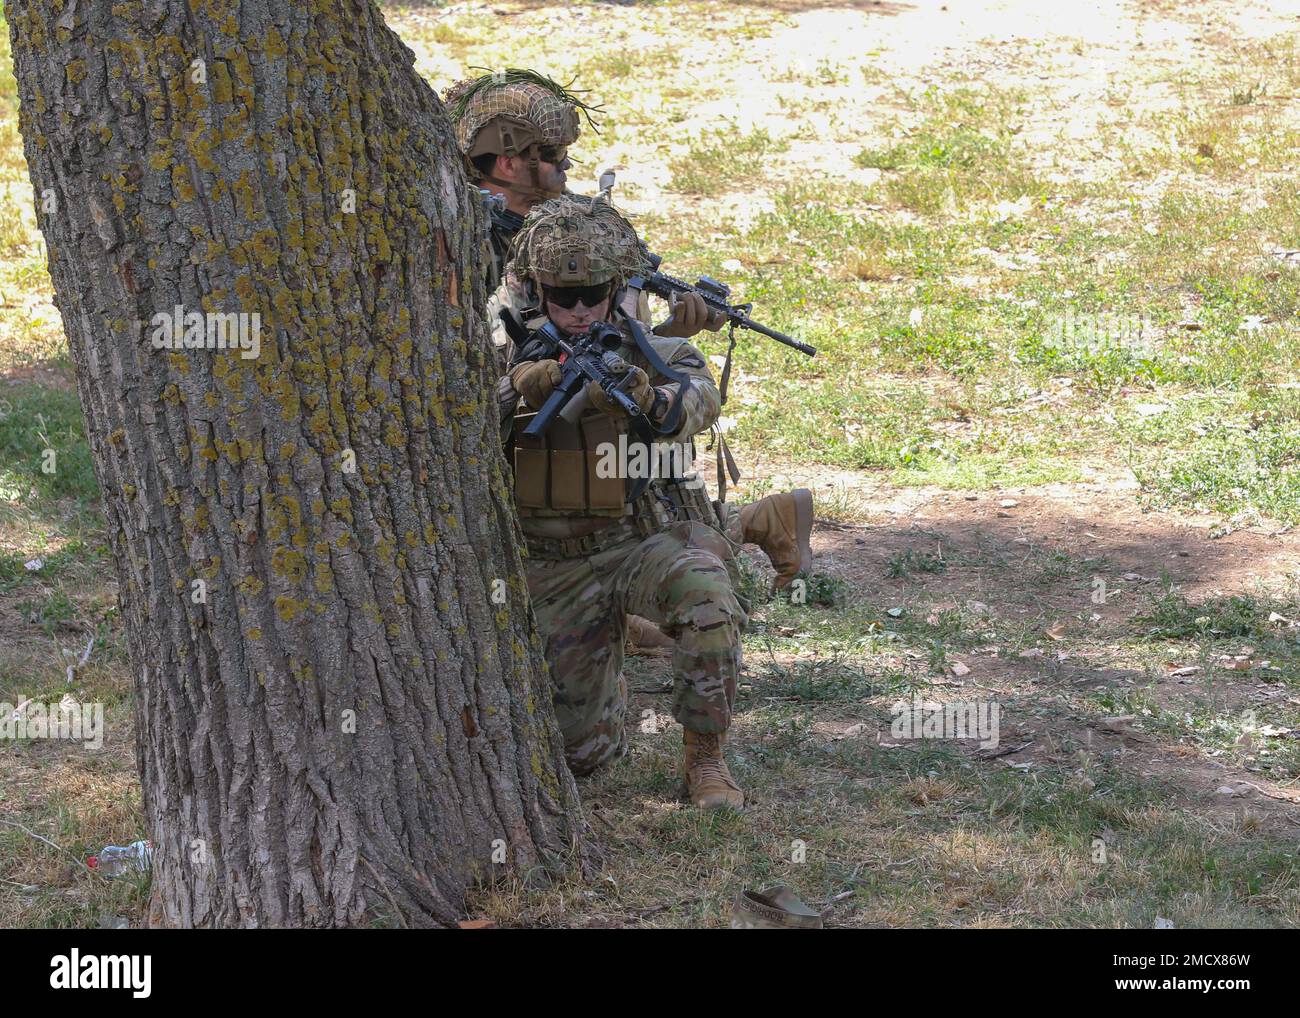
708	781
781	525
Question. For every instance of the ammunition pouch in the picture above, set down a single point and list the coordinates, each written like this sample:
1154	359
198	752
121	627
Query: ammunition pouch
686	500
558	471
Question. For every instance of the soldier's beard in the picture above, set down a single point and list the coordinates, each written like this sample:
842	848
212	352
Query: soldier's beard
551	179
523	194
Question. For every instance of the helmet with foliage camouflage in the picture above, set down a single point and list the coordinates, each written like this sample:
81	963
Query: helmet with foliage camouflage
514	113
574	241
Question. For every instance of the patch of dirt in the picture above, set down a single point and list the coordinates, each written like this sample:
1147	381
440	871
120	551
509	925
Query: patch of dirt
998	551
828	79
1097	522
1214	786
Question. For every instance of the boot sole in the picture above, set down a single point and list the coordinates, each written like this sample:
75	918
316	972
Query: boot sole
711	806
684	793
715	806
803	517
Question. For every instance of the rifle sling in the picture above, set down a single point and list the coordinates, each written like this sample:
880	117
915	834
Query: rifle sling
726	465
672	419
515	329
642	426
726	368
639	427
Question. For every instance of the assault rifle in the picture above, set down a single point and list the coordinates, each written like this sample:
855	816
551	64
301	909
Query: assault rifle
589	357
716	295
718	298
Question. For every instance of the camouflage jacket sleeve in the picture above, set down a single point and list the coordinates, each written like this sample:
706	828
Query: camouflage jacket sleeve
510	299
702	403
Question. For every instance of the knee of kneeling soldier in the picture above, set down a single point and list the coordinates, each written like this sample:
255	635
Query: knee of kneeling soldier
711	607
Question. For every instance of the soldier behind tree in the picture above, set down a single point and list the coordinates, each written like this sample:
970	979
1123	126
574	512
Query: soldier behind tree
514	128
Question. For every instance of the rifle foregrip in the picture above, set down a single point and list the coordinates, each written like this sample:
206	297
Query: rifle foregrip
664	286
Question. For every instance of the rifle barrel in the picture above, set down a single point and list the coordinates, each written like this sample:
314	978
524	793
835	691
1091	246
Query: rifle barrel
663	285
748	323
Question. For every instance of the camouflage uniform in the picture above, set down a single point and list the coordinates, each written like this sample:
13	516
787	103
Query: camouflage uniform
657	557
680	580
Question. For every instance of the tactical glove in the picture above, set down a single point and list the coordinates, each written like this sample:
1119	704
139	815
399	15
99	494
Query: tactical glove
639	389
689	315
535	381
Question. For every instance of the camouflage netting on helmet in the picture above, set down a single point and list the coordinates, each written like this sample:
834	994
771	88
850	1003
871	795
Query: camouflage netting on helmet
573	241
529	106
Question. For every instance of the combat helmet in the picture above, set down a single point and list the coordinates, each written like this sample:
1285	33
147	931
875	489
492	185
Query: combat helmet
515	112
574	241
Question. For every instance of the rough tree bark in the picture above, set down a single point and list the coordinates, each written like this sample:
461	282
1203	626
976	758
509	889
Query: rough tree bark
335	719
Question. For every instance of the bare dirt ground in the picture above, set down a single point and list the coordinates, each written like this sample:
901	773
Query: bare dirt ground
993	538
1133	552
1079	60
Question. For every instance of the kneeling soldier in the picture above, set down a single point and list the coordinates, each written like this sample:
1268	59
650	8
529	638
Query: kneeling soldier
601	547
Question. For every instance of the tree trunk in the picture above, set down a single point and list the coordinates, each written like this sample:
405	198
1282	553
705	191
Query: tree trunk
341	702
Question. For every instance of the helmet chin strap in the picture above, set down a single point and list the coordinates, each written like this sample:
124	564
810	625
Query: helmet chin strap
535	193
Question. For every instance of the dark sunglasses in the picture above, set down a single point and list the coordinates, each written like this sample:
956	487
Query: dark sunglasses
553	154
567	297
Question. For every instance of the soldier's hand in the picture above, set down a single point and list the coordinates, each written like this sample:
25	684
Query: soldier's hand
536	380
639	389
690	314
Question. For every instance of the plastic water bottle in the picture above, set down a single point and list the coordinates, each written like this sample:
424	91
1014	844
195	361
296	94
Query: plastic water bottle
114	860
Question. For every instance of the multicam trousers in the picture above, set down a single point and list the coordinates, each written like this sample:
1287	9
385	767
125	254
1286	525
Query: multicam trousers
679	579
